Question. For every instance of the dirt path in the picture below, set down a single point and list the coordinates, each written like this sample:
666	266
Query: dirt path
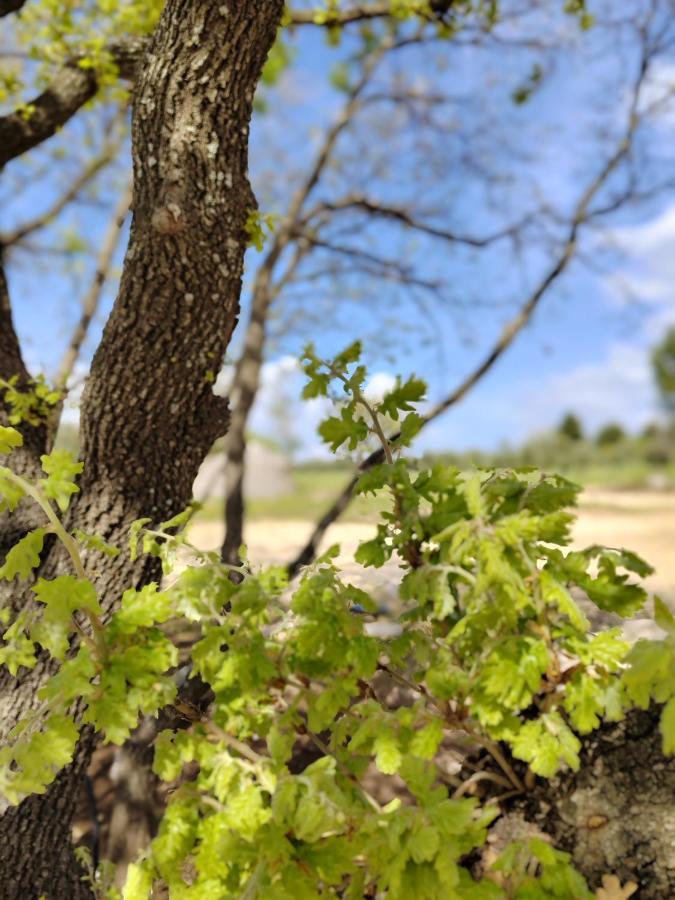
638	520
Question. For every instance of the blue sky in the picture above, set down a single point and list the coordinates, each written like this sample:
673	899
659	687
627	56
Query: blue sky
587	348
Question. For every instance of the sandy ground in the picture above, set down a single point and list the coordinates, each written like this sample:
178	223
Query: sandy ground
638	520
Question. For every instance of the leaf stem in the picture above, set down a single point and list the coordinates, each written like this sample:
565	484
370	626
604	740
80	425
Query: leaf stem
57	528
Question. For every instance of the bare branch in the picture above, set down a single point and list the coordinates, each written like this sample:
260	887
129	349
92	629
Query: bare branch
90	171
247	373
339	17
398	214
92	298
579	216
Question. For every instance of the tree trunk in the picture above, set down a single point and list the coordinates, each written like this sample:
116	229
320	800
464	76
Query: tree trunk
244	391
616	816
149	415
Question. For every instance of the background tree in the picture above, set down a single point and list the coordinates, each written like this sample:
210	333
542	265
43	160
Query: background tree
344	247
571	428
609	434
663	361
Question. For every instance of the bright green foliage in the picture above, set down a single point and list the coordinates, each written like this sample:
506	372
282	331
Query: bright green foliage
61	469
358	416
24	556
492	644
258	226
10	491
61	597
32	404
651	674
95	542
9	439
32	761
53	31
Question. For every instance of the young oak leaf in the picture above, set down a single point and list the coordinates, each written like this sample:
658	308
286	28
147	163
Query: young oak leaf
10	492
346	429
62	597
61	469
400	398
24	556
9	439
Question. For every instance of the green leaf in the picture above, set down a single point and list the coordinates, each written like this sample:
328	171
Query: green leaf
9	439
400	398
426	741
143	608
138	884
373	480
557	595
546	743
95	542
24	556
350	354
584	701
423	844
134	533
346	429
32	762
10	492
280	744
410	428
18	650
373	553
388	756
66	593
62	469
667	726
663	616
62	597
650	672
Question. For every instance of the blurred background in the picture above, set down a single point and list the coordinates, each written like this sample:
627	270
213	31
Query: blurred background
487	205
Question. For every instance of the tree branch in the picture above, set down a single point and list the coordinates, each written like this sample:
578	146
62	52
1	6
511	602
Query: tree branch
247	373
83	178
339	17
398	214
91	299
71	87
10	6
579	216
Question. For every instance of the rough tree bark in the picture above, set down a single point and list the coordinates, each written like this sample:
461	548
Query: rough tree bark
149	415
617	814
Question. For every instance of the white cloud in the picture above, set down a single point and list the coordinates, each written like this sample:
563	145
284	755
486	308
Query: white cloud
280	413
379	384
618	387
658	93
649	270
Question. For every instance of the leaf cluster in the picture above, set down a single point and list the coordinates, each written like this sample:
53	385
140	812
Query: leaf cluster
273	785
